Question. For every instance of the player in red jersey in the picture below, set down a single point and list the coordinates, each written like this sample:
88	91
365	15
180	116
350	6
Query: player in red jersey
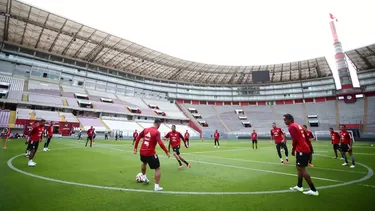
302	152
6	134
151	137
36	135
175	138
135	135
254	138
49	136
346	145
90	134
310	138
279	137
335	136
217	138
187	137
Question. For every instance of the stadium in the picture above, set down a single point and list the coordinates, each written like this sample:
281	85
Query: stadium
76	77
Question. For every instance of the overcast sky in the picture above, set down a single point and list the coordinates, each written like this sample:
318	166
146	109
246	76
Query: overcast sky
231	32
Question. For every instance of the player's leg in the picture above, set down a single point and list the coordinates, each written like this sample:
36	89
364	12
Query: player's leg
335	147
310	157
133	141
6	141
155	164
91	141
344	150
218	143
33	150
215	142
177	152
177	158
87	141
256	144
278	147
253	143
285	147
352	156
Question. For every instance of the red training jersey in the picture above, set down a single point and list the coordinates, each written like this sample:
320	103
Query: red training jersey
151	136
345	137
335	137
174	138
135	134
277	134
50	131
216	135
90	132
187	135
309	136
36	133
254	136
299	138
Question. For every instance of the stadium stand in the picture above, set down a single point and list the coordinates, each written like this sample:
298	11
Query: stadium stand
229	117
88	122
326	112
15	88
170	109
371	115
69	91
69	117
44	88
45	99
47	115
23	113
4	118
351	113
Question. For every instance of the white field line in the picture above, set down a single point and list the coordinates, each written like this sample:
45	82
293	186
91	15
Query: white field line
240	167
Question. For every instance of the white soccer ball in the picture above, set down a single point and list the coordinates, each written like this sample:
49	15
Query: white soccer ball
139	177
372	145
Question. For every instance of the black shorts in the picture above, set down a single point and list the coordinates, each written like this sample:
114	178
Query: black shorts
34	145
302	159
89	137
216	140
176	150
152	161
255	141
336	147
281	145
312	150
344	147
186	139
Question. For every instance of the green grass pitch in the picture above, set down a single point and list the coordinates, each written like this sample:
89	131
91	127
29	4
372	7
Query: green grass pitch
72	177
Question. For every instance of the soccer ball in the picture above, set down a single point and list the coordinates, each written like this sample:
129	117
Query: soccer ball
139	178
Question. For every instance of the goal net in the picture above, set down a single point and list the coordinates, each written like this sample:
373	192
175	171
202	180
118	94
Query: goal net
326	135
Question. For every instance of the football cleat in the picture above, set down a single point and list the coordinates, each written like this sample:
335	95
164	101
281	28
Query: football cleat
44	149
158	189
31	164
180	167
282	162
311	165
345	164
352	166
296	188
311	193
188	166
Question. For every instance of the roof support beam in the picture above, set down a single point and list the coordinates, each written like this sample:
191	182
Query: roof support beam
365	60
318	71
71	41
7	19
109	50
57	36
84	44
26	22
41	33
95	52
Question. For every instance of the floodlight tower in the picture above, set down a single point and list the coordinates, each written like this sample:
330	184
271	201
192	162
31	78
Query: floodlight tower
347	91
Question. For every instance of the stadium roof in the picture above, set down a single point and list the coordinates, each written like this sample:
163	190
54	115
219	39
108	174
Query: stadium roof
363	58
34	28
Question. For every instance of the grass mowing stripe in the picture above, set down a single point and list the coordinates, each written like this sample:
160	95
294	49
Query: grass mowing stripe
278	164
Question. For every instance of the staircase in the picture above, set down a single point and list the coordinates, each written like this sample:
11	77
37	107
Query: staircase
139	124
221	121
12	119
65	103
62	118
105	125
61	90
25	97
190	116
305	114
26	86
32	115
337	115
365	115
80	125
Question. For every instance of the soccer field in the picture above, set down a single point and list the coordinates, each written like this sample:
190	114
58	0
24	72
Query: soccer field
233	177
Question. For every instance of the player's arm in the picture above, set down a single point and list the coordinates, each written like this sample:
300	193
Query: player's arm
141	135
271	135
183	139
284	136
293	134
160	142
312	138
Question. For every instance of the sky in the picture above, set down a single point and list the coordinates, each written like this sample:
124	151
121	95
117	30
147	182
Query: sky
228	32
